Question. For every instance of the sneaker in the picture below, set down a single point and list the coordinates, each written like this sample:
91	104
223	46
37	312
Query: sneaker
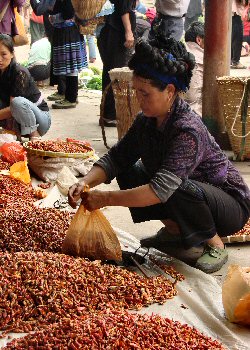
237	66
55	97
212	259
63	104
162	237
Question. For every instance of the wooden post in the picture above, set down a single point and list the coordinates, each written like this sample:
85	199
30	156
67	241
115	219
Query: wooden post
217	57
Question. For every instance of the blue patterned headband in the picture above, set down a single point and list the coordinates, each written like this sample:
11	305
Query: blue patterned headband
166	79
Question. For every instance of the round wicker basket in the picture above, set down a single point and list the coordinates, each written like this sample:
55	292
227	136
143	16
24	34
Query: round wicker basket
87	9
42	153
234	94
126	103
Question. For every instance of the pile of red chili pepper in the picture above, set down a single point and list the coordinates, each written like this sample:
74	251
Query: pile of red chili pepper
4	165
41	288
245	231
16	188
116	330
59	146
74	303
25	227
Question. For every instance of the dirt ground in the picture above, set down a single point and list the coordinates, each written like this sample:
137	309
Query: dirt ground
82	123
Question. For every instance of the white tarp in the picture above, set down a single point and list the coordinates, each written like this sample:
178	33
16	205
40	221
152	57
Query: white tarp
199	299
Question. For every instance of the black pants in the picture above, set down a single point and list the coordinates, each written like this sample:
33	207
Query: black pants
201	210
71	91
237	39
40	72
114	55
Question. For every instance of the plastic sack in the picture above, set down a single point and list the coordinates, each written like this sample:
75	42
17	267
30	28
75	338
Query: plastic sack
13	152
48	168
65	180
20	171
236	295
90	235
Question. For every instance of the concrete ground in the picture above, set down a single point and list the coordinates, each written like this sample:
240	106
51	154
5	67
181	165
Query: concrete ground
82	123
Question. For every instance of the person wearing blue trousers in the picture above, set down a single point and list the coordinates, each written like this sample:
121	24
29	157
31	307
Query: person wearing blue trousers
22	107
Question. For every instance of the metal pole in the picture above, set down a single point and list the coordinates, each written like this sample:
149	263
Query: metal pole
217	56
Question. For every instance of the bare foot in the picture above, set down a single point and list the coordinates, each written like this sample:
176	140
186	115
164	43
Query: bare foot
35	136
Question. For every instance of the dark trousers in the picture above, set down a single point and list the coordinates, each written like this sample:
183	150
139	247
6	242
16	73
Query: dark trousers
71	91
40	72
201	210
114	55
237	39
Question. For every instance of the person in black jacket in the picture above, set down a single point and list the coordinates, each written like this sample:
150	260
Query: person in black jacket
21	103
115	45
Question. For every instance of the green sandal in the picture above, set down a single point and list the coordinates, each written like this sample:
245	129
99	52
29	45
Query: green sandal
63	104
212	259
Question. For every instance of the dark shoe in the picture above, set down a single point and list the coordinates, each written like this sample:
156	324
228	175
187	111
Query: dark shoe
55	97
212	259
161	238
109	123
63	104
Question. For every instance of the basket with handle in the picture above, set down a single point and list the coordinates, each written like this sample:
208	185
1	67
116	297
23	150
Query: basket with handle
87	9
126	103
234	94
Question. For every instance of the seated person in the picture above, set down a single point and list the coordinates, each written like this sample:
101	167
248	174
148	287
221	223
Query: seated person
20	100
168	165
194	38
39	60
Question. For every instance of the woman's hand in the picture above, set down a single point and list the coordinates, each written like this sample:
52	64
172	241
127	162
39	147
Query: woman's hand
95	199
129	37
75	193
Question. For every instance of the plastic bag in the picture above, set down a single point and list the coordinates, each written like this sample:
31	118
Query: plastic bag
20	172
90	235
6	137
13	152
236	295
65	179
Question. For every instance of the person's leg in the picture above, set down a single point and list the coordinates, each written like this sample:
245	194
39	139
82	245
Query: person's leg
92	48
200	212
114	55
71	93
237	40
29	117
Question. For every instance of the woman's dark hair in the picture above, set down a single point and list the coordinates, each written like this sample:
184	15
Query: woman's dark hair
7	41
195	29
166	57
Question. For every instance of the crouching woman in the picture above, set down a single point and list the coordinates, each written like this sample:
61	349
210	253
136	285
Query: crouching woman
21	103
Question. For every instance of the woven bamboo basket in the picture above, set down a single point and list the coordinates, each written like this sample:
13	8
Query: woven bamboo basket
90	27
126	103
87	9
51	154
234	95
